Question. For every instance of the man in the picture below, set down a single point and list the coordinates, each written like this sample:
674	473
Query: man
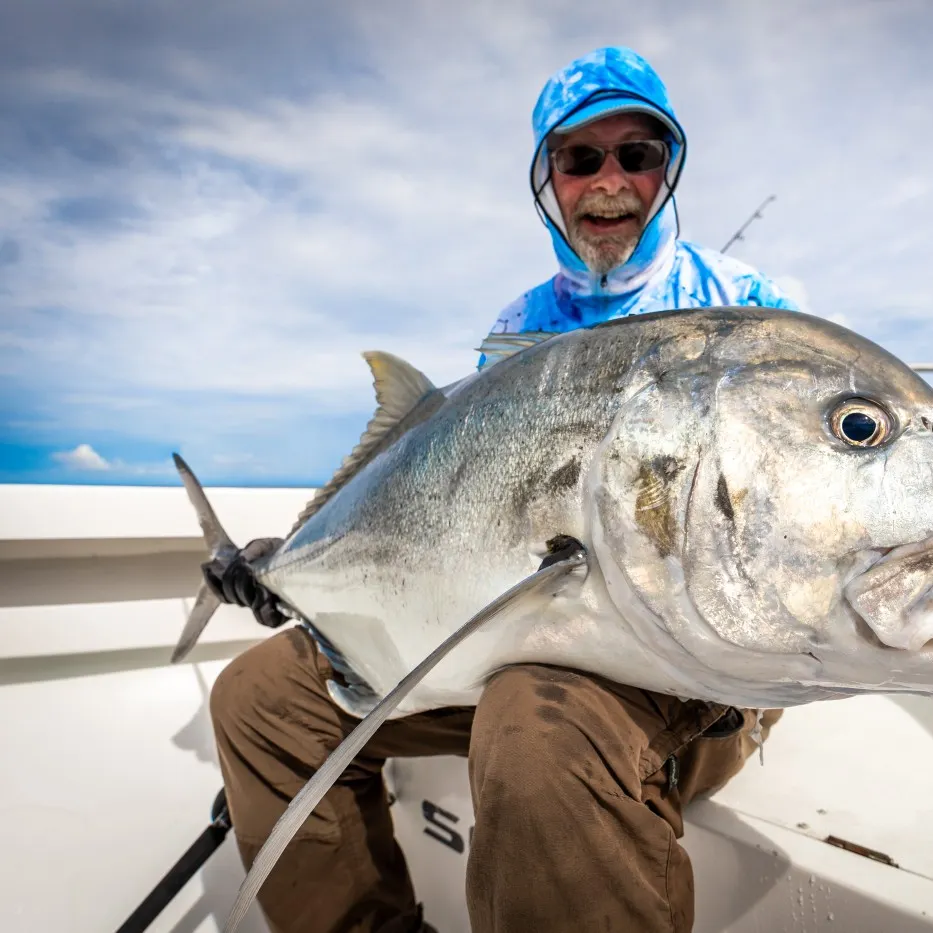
609	153
578	812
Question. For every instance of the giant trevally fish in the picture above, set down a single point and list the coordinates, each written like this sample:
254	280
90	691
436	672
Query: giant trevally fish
729	504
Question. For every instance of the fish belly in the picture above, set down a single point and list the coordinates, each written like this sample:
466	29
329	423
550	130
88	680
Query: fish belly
384	623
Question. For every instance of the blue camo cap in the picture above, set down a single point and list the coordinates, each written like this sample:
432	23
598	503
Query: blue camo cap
597	85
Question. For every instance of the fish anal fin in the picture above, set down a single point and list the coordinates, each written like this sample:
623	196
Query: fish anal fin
355	700
405	396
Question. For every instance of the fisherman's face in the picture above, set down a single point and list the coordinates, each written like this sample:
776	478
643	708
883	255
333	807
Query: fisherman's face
605	213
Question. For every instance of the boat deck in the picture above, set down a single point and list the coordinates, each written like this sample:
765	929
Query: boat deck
109	770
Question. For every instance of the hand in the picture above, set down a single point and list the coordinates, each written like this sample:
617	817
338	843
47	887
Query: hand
233	582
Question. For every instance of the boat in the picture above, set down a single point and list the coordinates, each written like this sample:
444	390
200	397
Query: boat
110	774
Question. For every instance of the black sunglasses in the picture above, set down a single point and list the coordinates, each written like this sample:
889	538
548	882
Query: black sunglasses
635	157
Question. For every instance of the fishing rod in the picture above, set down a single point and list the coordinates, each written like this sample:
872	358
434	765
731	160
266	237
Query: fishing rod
755	216
183	870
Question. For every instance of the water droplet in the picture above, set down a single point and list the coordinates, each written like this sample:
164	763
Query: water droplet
830	916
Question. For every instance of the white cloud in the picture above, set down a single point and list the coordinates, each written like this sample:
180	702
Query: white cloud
796	290
381	201
83	457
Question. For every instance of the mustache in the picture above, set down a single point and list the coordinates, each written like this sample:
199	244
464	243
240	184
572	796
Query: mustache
604	204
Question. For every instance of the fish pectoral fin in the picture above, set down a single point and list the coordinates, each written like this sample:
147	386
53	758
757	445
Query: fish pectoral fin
498	347
400	390
570	562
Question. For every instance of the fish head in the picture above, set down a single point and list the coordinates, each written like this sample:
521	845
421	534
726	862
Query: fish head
762	510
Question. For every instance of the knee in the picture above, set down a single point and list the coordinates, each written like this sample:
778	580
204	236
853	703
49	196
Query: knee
227	697
237	692
529	741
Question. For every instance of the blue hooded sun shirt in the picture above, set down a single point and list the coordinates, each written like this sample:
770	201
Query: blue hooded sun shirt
664	272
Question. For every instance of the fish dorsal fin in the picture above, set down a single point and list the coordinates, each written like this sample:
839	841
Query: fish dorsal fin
499	346
400	389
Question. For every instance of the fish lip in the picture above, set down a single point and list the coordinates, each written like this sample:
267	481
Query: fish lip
861	565
866	626
863	631
866	633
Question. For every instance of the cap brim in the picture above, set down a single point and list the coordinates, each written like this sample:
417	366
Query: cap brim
600	109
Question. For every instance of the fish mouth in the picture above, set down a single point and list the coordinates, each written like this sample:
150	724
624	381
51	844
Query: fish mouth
893	596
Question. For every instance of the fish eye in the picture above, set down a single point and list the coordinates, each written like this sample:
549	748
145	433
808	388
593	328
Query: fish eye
861	423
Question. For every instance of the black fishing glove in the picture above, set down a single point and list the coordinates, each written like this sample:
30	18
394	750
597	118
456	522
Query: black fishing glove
234	583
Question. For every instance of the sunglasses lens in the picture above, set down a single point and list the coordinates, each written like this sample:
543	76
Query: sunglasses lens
578	160
634	157
643	156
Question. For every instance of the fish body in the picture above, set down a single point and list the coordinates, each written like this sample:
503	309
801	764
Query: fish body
749	541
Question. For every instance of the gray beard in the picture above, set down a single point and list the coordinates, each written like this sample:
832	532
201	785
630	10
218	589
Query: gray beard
603	255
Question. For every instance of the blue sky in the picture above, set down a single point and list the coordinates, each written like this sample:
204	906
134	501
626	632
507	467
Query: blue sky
208	211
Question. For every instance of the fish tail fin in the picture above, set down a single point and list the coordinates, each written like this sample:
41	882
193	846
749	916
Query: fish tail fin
215	537
205	605
218	544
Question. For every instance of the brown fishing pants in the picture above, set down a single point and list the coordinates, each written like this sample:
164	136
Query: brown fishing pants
578	787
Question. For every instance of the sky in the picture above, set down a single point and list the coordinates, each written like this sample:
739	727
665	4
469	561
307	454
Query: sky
209	211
